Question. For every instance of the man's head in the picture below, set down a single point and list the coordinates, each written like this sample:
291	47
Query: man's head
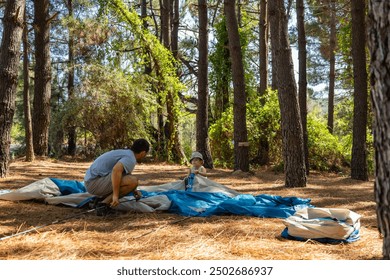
140	148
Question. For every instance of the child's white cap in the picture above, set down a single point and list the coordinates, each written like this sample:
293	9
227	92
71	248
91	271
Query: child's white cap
196	155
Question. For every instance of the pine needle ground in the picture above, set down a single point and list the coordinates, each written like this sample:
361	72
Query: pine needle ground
164	236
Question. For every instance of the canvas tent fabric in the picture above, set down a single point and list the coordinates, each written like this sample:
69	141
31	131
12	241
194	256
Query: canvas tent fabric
205	199
327	225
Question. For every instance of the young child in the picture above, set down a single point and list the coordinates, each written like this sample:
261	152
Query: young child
197	164
196	168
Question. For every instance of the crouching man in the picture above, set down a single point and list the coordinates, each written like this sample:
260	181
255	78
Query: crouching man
109	177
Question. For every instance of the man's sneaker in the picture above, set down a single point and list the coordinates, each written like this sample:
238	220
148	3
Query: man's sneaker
94	202
103	209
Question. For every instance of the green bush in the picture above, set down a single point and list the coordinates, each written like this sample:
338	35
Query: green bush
325	149
111	106
263	124
221	140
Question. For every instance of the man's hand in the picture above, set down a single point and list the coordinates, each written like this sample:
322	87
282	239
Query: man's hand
115	201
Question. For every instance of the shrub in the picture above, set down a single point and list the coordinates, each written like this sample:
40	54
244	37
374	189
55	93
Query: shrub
325	149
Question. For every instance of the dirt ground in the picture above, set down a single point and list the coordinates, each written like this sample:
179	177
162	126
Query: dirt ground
164	236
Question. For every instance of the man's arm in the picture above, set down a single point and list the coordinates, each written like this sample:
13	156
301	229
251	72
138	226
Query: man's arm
116	178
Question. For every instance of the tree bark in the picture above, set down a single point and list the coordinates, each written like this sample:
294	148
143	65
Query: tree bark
72	136
263	27
26	95
202	120
175	21
379	36
332	65
9	62
271	9
42	86
175	151
241	144
302	91
359	169
292	136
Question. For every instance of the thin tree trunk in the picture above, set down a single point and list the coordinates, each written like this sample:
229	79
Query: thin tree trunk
174	148
72	130
359	169
42	86
239	18
378	34
168	128
202	135
178	151
332	65
175	21
262	157
263	26
271	10
302	92
241	144
294	163
26	96
9	62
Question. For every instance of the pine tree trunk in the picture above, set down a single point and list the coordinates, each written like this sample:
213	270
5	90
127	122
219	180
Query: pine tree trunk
175	21
42	86
223	80
175	151
359	168
9	62
26	96
202	135
263	46
274	26
241	144
292	136
71	130
379	36
169	127
302	92
332	65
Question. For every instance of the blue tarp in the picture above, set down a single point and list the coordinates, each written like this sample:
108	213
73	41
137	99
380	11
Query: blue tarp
69	186
205	204
220	200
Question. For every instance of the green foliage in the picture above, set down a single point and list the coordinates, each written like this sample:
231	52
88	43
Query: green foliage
161	58
188	133
325	149
112	106
343	130
263	121
221	139
263	117
220	74
17	132
344	40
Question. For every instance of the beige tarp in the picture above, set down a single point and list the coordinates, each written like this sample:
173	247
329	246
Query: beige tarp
310	223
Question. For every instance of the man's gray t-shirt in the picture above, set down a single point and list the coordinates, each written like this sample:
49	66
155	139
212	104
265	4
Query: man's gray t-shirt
102	166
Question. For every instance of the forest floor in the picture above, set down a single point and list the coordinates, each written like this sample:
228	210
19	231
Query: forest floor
164	236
